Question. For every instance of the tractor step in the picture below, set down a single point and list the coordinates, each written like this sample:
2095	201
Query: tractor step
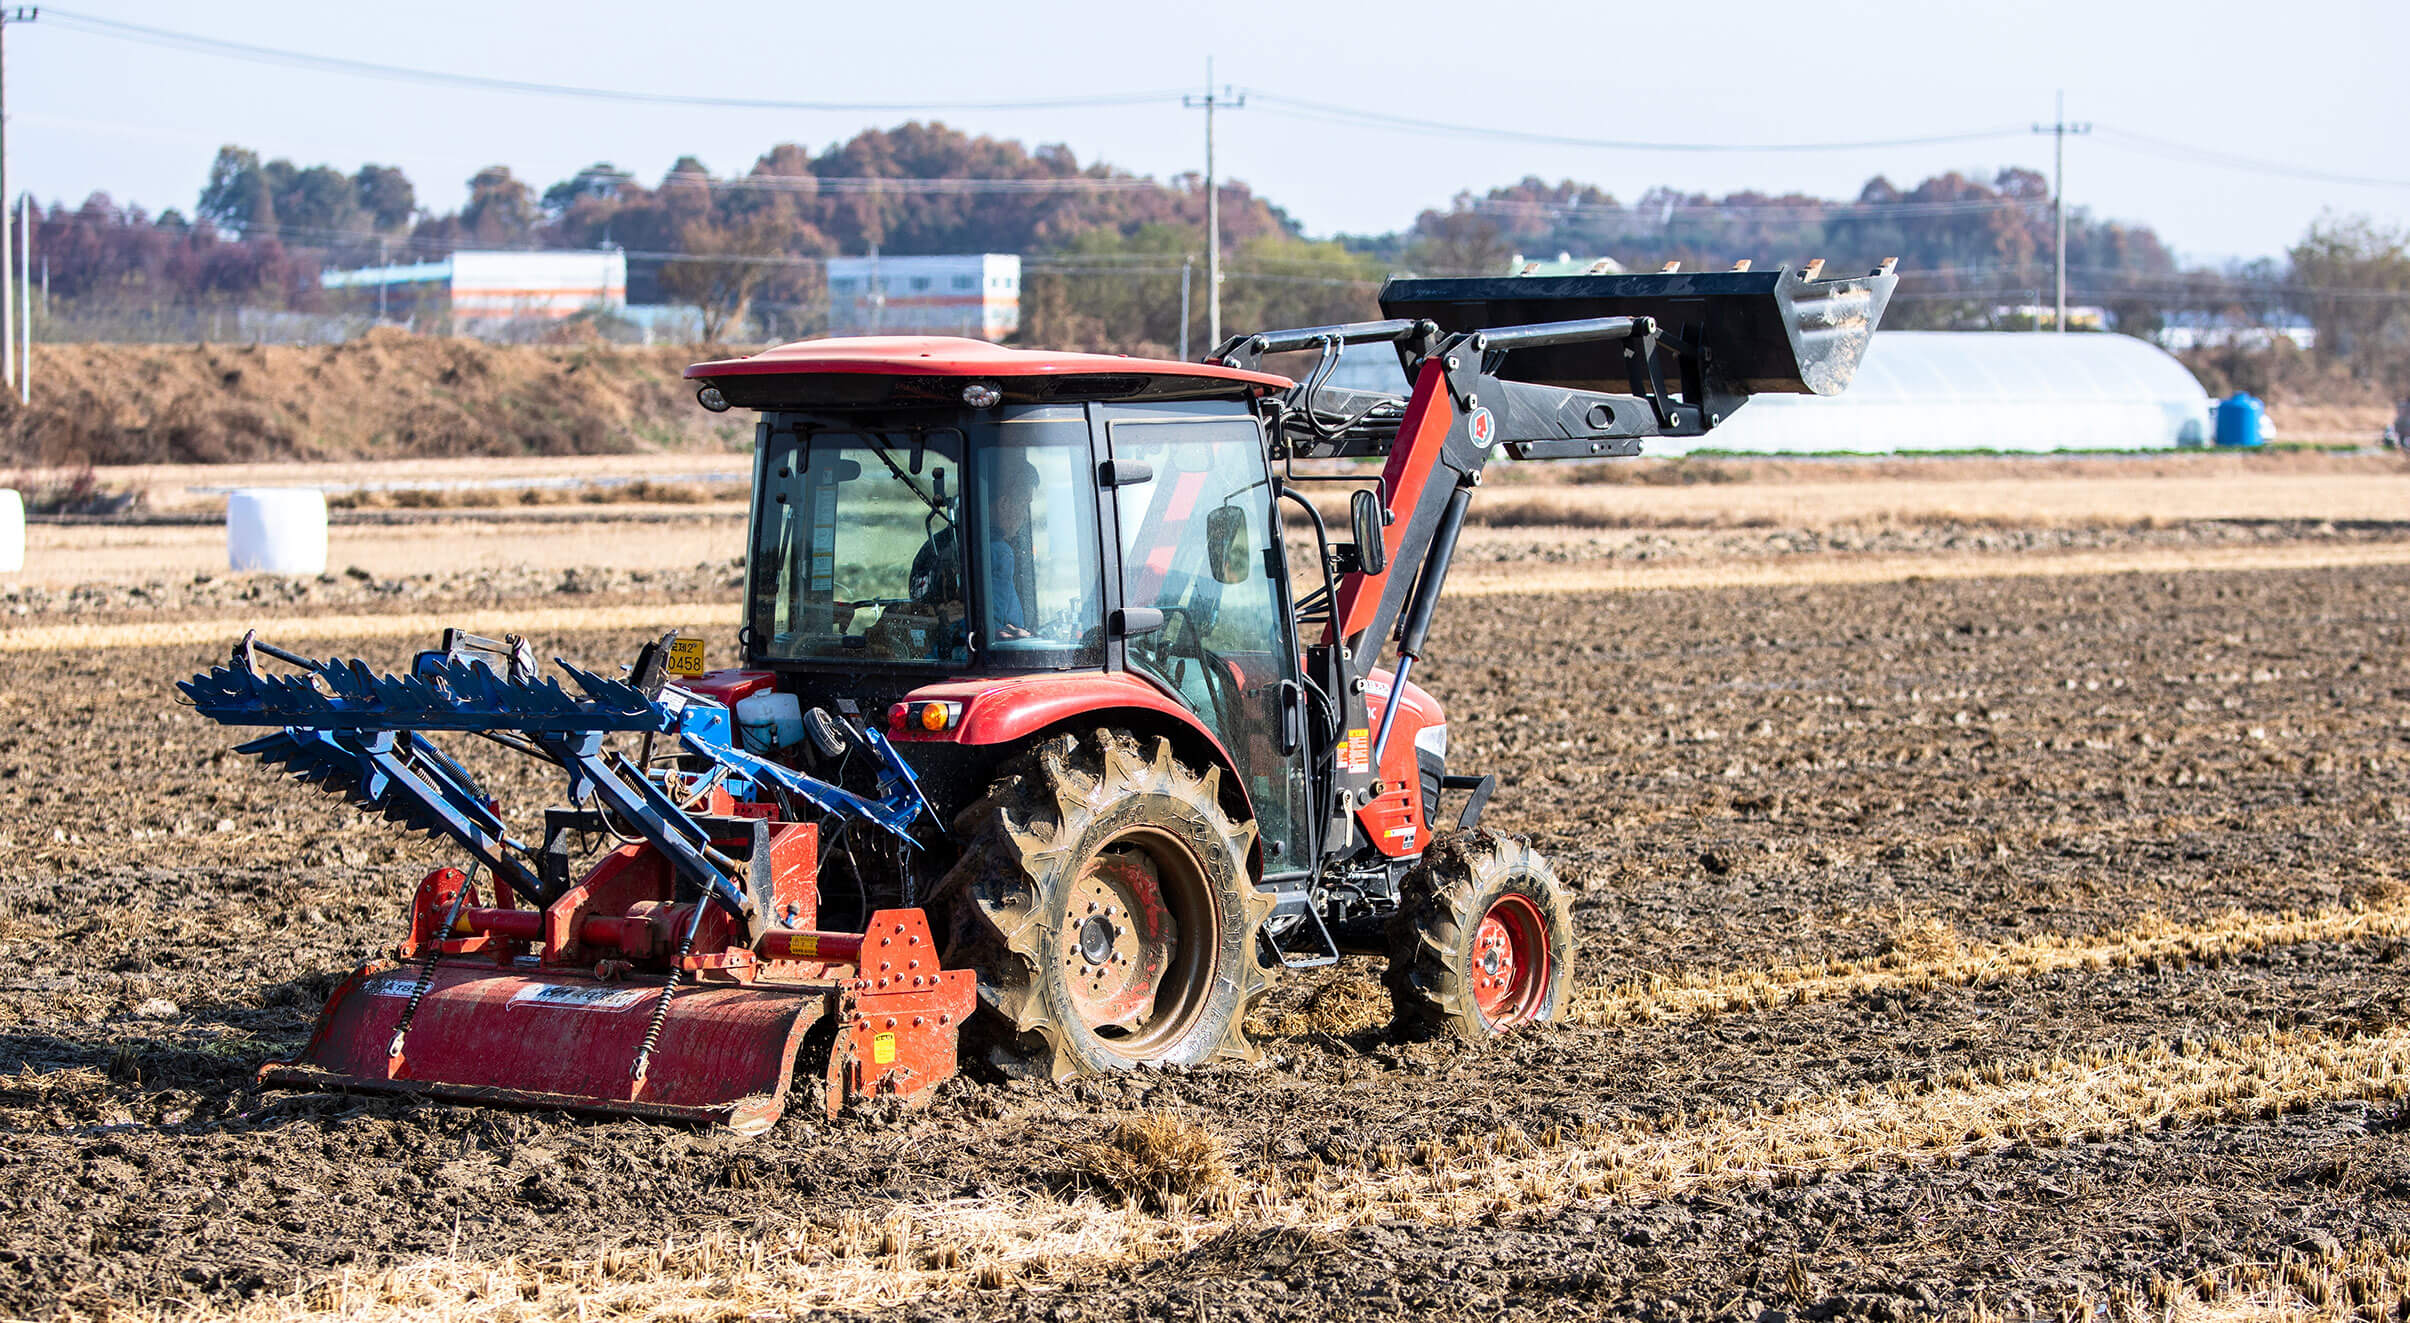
1309	921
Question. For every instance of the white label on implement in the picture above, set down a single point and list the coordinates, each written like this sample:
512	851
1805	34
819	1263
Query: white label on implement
575	997
395	984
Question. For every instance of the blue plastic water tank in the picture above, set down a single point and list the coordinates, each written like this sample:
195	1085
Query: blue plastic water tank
2240	419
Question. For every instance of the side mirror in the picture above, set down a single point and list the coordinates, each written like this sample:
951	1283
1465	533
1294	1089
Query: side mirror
1228	550
1131	621
1364	516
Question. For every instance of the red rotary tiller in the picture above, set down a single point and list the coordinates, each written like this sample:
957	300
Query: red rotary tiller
682	975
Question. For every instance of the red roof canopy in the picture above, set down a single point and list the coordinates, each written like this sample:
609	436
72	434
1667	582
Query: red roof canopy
953	356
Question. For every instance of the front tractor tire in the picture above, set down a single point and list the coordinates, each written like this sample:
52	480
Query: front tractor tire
1482	940
1109	910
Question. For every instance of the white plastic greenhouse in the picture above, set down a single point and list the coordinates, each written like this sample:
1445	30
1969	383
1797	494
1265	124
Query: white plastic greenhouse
1949	390
1981	390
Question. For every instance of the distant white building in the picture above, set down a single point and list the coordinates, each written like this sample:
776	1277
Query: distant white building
2197	330
482	291
975	294
2080	316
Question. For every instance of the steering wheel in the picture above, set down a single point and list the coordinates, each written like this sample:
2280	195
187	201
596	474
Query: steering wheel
1220	688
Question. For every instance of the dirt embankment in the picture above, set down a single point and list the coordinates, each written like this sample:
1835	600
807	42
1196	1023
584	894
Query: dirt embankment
388	395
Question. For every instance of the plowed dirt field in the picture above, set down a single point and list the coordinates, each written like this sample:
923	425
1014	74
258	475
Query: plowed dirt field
2013	945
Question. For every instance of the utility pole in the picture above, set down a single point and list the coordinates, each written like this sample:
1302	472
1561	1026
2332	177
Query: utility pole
1187	264
2058	130
1209	103
25	292
8	359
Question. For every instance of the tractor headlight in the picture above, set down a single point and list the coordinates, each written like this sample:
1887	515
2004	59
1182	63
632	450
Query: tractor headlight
710	398
980	395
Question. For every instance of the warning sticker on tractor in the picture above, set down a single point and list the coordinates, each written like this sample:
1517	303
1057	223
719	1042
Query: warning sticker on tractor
395	984
823	578
1356	754
686	656
882	1049
1483	426
574	997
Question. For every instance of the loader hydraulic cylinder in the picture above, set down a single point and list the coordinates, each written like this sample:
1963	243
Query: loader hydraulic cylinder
1420	607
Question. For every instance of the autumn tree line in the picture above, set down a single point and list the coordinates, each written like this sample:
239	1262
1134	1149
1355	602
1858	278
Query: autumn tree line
1106	253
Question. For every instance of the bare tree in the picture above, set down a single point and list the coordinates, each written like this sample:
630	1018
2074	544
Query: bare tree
724	267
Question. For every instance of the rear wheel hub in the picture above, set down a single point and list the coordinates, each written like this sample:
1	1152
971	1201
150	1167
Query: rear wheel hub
1117	940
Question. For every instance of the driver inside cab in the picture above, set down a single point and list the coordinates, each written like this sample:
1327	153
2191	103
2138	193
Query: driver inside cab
1010	571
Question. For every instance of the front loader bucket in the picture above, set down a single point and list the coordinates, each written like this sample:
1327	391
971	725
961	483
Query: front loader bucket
555	1039
1753	332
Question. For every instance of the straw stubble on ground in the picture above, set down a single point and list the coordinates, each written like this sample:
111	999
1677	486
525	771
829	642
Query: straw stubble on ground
1978	945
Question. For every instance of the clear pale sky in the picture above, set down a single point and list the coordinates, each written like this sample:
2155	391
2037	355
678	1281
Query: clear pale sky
2321	85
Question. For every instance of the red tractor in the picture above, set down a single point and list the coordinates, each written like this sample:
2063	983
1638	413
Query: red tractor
1039	724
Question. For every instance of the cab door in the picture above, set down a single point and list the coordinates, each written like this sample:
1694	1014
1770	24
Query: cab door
1194	515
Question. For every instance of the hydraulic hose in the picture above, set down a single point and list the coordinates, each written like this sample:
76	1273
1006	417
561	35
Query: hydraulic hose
1419	610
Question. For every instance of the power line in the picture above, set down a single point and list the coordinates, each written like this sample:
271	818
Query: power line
1298	108
1752	211
1293	107
856	184
2163	147
151	36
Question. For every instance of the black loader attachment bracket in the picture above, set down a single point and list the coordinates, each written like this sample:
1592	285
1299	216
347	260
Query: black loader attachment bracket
1551	367
1580	367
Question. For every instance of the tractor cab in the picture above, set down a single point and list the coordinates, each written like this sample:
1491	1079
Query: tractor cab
983	542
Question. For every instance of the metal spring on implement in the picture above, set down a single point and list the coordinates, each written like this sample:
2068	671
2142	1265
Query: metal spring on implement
426	968
677	965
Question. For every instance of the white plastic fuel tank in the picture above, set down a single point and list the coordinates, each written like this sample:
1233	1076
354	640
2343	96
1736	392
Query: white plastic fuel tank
769	720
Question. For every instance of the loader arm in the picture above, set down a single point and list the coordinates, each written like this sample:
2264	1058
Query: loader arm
1576	367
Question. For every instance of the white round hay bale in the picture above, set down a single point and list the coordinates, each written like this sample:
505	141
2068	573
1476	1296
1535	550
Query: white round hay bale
276	530
12	531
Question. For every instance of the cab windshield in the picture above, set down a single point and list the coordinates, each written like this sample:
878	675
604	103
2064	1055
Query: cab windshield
939	545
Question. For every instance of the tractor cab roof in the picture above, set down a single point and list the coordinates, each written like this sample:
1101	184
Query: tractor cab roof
935	370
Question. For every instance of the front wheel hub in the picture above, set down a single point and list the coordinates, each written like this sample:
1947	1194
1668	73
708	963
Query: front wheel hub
1510	961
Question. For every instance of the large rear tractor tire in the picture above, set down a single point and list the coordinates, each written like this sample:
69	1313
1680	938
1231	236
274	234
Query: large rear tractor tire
1109	910
1482	940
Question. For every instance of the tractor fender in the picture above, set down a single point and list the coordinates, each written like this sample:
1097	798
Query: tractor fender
1016	711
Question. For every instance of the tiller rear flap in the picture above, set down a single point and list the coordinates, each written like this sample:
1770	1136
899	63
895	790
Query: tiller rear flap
680	971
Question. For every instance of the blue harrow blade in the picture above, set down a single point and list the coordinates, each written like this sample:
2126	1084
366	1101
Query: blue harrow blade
317	762
445	694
